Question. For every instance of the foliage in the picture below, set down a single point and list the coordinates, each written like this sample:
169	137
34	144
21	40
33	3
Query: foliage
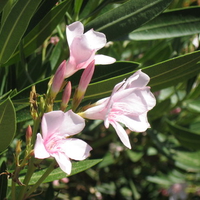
158	36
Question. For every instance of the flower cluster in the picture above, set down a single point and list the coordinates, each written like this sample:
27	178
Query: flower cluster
128	104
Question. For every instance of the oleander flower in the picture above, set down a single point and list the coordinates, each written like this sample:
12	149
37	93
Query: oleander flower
83	47
55	140
128	104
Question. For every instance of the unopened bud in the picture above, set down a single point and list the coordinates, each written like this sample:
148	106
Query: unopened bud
28	135
18	147
83	84
58	80
66	96
17	152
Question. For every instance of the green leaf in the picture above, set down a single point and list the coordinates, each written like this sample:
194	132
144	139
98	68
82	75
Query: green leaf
173	71
174	23
162	75
193	105
7	124
42	10
2	4
127	17
6	9
39	33
134	156
187	160
77	6
15	26
186	137
57	174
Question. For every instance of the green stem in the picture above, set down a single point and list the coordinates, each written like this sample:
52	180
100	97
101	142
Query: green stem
13	190
31	167
42	178
29	173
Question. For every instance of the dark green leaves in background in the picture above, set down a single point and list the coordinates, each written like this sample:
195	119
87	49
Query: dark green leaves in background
14	27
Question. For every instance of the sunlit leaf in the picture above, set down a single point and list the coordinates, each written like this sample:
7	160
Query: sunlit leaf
57	174
127	17
174	23
162	75
187	160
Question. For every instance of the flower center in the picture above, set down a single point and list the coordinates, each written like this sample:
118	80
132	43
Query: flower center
54	143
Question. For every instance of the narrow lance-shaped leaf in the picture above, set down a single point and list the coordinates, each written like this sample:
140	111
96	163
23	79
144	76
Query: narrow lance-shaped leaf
2	4
186	137
174	23
56	174
14	27
41	31
127	17
173	71
7	124
162	75
187	160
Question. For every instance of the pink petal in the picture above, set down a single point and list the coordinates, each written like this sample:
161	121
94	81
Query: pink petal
95	40
71	124
63	161
76	149
51	122
122	134
103	60
136	100
74	30
81	51
96	112
137	123
39	149
138	79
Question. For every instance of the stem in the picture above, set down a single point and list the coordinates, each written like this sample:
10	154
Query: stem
30	172
13	190
42	178
31	167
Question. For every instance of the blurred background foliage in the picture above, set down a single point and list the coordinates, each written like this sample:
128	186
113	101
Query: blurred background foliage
164	162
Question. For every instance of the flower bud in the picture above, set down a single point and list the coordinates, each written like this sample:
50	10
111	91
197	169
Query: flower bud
66	96
18	151
83	84
18	147
28	135
58	80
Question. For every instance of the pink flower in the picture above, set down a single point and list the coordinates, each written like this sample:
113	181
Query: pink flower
57	129
128	104
83	48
